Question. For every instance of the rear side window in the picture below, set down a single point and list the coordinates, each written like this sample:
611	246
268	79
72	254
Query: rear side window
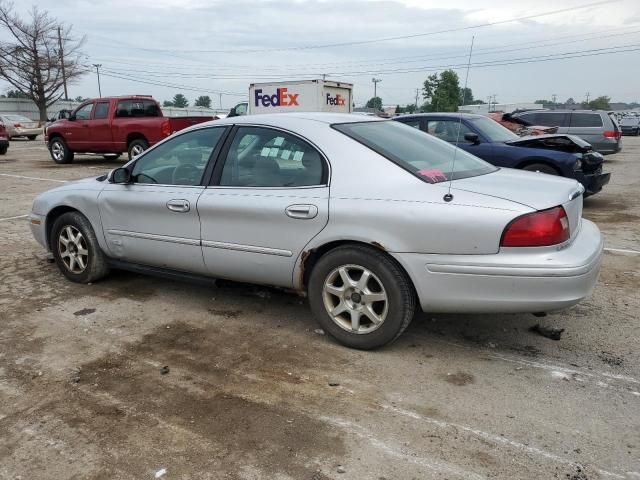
585	120
415	123
424	156
137	108
546	119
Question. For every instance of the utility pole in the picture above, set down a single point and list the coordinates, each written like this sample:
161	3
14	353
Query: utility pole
375	86
553	99
64	76
588	94
494	101
98	65
417	90
220	100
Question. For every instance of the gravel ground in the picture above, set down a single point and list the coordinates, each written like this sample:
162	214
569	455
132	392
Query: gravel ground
252	391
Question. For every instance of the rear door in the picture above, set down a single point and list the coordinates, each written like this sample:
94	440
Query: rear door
588	126
154	220
269	197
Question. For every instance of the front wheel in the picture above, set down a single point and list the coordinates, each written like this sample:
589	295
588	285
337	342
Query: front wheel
361	297
137	147
60	153
76	249
542	168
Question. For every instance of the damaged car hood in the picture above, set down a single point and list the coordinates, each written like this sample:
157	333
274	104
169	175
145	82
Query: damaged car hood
565	143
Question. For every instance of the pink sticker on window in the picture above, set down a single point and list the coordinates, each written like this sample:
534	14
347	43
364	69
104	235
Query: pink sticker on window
433	175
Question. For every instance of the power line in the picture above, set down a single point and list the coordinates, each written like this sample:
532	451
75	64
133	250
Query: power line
378	40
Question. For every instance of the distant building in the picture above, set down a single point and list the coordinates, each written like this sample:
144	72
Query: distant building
485	108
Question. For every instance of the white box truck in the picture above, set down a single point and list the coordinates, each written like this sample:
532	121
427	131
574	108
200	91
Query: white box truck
297	96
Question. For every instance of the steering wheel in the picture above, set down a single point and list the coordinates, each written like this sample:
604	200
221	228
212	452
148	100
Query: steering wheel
185	174
138	178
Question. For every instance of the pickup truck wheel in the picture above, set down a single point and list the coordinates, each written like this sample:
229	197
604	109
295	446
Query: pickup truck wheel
60	153
76	249
542	168
361	297
137	147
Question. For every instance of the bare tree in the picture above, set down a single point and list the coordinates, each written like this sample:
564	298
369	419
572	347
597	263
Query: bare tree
39	55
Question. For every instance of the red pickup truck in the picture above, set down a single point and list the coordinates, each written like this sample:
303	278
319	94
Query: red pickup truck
112	125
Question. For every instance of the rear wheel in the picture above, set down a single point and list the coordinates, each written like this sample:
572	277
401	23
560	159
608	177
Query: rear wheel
361	297
32	137
60	153
137	147
542	168
3	150
76	249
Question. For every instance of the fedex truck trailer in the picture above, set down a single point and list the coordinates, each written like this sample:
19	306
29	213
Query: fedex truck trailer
297	96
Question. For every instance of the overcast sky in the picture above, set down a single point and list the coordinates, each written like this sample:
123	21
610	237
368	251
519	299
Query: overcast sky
223	45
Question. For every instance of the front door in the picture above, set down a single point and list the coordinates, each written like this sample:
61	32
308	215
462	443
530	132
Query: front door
154	220
269	197
77	132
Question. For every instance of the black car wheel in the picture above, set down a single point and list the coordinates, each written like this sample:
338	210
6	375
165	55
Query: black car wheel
76	249
32	137
3	150
542	168
361	297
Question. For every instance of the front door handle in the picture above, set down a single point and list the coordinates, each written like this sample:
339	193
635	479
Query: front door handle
179	205
301	211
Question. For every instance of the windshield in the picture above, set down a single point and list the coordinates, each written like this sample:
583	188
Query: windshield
492	130
18	118
428	158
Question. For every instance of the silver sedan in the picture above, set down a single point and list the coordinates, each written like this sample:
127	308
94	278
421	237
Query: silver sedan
20	126
371	218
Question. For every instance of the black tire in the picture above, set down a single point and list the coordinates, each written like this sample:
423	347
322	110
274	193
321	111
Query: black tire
59	151
111	156
400	303
3	150
542	168
32	137
135	145
95	262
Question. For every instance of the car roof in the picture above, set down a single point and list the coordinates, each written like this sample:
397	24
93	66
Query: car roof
284	119
443	114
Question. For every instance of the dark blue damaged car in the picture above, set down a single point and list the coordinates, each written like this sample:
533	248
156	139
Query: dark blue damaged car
557	154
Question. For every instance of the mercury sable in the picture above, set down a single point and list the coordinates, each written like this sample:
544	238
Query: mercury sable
371	218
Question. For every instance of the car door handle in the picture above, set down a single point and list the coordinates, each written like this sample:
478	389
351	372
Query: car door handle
301	211
179	205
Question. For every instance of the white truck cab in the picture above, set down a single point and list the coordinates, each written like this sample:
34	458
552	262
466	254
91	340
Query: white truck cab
297	96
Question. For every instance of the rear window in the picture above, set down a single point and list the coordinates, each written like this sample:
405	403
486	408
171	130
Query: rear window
585	120
421	154
137	108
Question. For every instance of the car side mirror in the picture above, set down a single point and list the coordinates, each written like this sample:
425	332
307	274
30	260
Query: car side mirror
472	138
71	117
121	175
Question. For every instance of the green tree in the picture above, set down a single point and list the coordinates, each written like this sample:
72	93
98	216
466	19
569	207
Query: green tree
466	97
79	99
180	101
16	94
375	102
203	101
600	103
167	103
442	91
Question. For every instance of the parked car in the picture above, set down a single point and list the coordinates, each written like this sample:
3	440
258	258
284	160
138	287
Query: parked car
4	140
112	125
597	127
563	155
248	199
630	125
20	126
518	127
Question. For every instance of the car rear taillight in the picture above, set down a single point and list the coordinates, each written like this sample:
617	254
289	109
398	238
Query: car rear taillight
537	229
17	125
612	134
165	128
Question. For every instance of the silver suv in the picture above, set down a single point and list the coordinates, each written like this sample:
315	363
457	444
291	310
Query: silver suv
597	127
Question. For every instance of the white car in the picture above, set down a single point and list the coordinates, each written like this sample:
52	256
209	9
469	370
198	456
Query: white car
370	218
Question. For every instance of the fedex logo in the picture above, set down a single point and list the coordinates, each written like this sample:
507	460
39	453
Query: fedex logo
282	98
338	100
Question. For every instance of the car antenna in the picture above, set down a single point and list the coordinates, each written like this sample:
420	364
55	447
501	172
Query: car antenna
448	196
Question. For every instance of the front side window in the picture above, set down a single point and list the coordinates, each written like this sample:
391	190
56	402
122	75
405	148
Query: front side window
102	110
84	112
423	155
448	130
179	161
262	157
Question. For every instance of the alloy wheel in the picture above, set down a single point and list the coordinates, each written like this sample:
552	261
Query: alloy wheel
136	150
73	250
57	150
355	299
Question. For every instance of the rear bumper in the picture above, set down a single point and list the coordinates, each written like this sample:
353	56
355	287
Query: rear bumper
515	280
26	132
607	146
593	182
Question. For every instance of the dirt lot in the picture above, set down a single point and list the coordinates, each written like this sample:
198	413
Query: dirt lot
253	392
